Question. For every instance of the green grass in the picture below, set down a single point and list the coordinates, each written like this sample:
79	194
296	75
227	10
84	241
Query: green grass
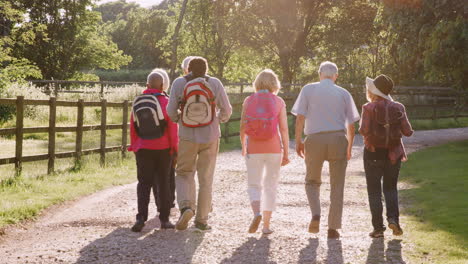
439	123
26	196
437	202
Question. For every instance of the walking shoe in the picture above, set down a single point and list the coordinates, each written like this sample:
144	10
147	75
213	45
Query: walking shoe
167	225
393	225
267	231
314	226
333	234
377	233
184	219
255	223
138	226
202	227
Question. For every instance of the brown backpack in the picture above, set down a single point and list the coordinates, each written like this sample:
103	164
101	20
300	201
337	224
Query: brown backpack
386	124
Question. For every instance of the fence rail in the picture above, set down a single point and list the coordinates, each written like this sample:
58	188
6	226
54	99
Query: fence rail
52	130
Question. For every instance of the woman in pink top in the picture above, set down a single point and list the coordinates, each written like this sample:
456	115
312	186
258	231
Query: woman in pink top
154	158
265	143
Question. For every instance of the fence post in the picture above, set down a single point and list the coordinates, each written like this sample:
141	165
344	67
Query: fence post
226	132
102	90
52	115
242	89
79	132
434	110
56	89
124	128
103	131
19	134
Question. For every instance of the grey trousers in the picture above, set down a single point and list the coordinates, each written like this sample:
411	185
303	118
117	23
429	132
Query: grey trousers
202	159
329	147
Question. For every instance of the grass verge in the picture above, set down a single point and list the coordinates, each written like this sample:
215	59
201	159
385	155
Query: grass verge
438	210
440	123
25	197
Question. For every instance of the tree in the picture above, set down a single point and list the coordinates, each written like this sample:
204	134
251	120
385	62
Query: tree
175	38
70	41
14	29
283	27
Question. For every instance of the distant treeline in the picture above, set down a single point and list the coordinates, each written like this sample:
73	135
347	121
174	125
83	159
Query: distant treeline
416	42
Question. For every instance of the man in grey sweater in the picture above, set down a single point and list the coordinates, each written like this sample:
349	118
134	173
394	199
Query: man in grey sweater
198	148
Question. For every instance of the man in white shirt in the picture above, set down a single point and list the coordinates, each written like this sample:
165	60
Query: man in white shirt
326	113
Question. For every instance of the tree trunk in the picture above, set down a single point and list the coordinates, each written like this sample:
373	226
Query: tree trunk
175	39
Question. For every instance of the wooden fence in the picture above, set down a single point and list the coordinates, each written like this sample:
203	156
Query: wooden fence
421	103
52	129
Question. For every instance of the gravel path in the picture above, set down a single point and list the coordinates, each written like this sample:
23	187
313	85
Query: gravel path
95	229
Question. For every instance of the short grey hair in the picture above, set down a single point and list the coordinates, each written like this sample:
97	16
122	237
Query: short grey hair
166	80
185	63
152	77
328	69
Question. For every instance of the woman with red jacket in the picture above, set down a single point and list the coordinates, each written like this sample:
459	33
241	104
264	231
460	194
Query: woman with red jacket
154	157
383	123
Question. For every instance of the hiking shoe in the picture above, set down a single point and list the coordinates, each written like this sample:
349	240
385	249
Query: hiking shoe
255	223
184	219
138	226
395	227
377	233
333	234
267	231
167	225
202	227
314	225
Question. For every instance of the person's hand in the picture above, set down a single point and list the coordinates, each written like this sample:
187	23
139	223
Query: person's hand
174	159
244	151
300	149
349	154
285	160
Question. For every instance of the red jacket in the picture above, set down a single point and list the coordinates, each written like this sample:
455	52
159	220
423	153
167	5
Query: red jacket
170	139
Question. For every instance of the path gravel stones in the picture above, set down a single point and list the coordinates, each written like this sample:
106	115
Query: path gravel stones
95	229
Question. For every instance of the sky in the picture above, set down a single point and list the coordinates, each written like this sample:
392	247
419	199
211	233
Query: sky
143	3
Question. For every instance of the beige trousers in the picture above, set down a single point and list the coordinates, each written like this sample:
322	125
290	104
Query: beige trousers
319	148
202	159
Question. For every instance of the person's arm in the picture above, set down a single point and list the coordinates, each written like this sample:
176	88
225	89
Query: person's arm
173	105
243	137
364	123
284	131
133	135
300	121
406	128
350	135
222	102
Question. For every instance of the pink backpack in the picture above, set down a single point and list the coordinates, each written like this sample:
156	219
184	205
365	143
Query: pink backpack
261	115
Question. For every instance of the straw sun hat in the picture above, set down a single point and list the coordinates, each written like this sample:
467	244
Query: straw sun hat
381	86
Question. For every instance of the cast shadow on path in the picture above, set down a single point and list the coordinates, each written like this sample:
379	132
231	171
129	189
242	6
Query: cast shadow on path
252	251
309	253
152	245
379	255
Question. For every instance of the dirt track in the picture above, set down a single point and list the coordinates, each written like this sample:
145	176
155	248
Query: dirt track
95	229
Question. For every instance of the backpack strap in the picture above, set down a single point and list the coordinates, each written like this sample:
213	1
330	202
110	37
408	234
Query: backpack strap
387	125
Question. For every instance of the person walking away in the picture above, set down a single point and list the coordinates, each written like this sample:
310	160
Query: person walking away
263	120
166	84
383	124
153	138
199	103
326	113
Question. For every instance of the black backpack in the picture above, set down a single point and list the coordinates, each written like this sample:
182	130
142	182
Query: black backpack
148	116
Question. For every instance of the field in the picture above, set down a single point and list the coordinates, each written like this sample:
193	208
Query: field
436	202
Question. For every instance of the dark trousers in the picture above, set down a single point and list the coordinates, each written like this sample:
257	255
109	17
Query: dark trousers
172	188
153	172
376	170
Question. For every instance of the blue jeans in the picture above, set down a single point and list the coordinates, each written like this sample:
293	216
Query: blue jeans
376	170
